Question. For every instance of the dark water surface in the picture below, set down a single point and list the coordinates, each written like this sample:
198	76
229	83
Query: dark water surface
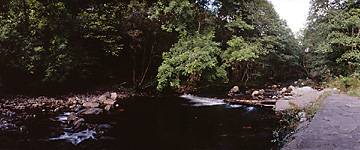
170	123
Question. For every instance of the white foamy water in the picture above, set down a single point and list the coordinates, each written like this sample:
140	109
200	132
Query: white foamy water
250	108
73	137
77	137
63	117
203	101
234	106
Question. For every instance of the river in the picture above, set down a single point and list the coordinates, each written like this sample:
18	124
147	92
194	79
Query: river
167	123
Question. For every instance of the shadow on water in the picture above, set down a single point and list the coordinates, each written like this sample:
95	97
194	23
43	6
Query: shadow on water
169	123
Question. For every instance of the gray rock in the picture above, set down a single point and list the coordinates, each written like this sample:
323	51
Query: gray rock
72	100
113	96
303	90
282	105
291	88
72	117
91	111
91	104
283	90
234	90
275	86
78	123
288	97
104	96
108	107
109	102
258	94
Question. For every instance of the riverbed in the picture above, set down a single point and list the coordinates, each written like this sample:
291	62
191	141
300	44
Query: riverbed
170	123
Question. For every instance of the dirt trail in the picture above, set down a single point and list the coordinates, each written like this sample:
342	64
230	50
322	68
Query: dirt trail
335	126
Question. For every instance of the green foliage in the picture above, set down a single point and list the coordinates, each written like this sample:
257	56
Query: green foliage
179	15
62	41
333	38
102	24
241	51
349	84
33	38
192	60
238	23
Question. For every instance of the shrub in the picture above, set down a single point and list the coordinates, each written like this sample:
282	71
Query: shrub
349	84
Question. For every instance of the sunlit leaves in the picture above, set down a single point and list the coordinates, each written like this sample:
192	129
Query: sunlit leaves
176	15
193	56
238	23
240	50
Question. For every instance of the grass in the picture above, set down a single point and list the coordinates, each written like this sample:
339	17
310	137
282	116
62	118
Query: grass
315	106
350	84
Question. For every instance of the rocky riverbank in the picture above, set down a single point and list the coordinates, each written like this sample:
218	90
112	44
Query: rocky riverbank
298	95
15	110
76	112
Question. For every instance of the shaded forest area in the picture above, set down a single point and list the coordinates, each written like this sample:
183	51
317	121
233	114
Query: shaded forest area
181	45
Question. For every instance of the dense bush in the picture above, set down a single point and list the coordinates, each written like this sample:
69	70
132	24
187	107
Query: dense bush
191	61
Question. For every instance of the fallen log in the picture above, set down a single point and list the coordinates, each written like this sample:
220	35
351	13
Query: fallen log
264	103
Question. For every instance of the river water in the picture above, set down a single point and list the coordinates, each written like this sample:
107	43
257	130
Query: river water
168	123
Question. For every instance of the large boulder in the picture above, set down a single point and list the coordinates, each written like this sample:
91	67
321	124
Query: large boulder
304	90
233	91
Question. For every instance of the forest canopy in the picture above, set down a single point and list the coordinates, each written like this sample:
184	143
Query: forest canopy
176	45
332	37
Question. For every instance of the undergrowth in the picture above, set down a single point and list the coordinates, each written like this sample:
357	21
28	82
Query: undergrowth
349	84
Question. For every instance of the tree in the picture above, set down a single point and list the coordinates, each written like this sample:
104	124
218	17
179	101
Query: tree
68	43
332	35
193	60
252	41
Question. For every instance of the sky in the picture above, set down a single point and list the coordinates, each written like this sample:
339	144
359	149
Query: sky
294	12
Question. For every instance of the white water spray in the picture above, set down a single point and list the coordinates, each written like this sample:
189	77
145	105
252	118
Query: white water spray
203	101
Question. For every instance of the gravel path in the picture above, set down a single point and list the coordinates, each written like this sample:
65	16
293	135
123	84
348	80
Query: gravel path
335	126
